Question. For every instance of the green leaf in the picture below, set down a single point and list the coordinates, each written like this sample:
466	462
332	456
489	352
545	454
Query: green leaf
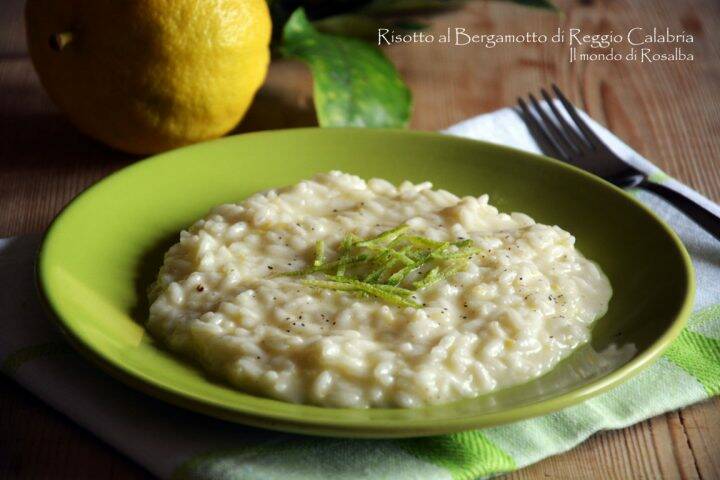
354	84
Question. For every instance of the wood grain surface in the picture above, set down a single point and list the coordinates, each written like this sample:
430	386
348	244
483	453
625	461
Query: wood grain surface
668	111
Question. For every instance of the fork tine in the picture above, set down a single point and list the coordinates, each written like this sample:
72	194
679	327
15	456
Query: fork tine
546	144
568	130
559	137
590	136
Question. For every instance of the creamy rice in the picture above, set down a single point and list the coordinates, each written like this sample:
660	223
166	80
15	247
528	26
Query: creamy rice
516	310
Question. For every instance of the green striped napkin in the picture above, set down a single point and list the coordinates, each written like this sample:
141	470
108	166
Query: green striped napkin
173	443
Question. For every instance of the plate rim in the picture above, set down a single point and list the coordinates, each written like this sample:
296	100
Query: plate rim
340	427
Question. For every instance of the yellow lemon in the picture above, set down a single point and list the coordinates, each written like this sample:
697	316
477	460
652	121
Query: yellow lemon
145	76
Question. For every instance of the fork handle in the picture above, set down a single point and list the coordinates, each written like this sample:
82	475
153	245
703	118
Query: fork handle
701	215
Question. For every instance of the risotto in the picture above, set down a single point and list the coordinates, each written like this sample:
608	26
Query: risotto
342	292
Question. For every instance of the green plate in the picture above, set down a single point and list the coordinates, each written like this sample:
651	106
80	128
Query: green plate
105	248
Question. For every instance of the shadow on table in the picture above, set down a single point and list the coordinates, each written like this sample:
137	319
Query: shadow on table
45	138
37	136
271	110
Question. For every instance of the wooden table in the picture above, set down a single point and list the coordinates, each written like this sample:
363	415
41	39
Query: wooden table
668	111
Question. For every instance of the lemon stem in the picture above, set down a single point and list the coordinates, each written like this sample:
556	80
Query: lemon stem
58	41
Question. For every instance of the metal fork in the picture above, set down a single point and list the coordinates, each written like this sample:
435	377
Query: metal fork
580	146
